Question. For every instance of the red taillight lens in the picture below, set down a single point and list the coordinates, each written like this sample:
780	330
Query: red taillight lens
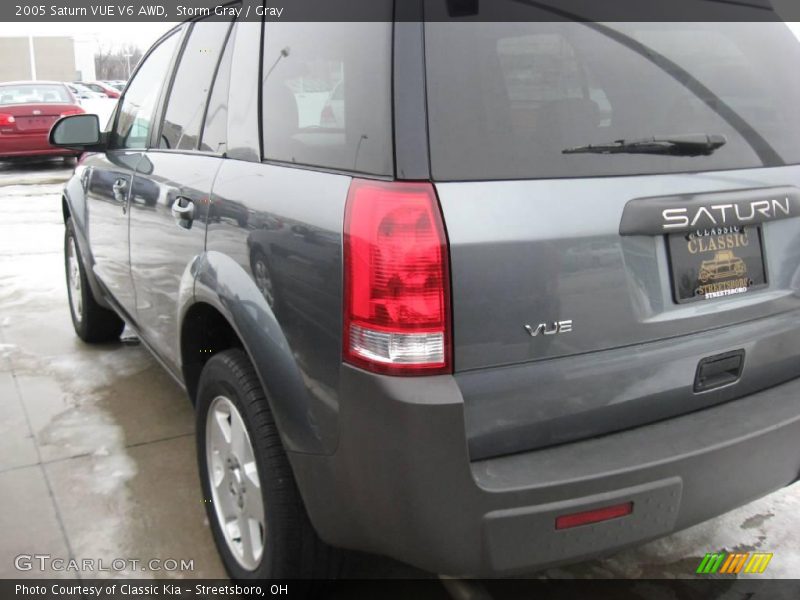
594	516
396	279
6	119
73	111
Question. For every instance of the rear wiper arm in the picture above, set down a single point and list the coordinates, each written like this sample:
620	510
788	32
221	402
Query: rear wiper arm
692	144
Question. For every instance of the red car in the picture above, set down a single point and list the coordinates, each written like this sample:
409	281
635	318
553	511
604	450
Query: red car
101	88
27	111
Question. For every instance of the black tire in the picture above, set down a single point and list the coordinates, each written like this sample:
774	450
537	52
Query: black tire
92	322
291	549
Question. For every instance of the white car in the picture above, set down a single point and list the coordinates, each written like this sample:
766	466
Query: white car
82	92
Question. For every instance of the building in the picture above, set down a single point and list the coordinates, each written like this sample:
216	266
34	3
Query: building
57	58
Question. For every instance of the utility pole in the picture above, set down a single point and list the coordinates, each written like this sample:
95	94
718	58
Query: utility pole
32	57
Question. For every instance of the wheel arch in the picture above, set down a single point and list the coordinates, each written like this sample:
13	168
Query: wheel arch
76	210
204	333
73	198
227	310
65	210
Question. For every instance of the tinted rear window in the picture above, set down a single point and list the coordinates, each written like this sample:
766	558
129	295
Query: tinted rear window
34	94
506	98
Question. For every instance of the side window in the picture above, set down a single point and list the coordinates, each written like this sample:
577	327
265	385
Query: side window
187	98
327	95
138	105
215	130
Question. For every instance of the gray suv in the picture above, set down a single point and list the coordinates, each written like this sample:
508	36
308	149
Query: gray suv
520	294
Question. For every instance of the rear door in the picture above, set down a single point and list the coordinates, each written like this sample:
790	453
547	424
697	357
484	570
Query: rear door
172	185
594	282
111	173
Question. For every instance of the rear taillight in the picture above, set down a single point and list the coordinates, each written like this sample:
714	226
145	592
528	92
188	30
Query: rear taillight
73	111
6	119
396	279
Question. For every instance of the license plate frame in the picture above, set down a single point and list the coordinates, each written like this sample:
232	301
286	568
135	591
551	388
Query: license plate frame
716	263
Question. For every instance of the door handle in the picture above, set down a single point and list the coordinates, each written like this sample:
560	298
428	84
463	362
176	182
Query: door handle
118	190
183	211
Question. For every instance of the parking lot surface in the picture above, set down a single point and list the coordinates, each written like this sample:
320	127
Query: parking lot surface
97	450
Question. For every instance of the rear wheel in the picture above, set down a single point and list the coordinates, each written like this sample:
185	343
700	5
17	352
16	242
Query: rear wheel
92	322
257	516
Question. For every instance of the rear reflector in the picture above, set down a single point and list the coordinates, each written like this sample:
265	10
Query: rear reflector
73	111
396	279
594	516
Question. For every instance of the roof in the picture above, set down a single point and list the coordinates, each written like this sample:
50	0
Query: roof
37	82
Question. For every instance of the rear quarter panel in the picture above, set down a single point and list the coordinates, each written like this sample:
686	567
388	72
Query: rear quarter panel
293	219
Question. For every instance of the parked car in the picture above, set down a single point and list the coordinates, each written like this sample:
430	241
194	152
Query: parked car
100	88
116	84
82	92
27	111
398	351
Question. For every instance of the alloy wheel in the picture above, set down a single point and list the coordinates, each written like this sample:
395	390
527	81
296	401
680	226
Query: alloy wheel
235	484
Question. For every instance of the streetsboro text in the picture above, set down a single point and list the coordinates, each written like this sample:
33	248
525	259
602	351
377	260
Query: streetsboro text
225	11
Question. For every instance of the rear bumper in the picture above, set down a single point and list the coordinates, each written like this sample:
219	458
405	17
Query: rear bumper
30	144
401	482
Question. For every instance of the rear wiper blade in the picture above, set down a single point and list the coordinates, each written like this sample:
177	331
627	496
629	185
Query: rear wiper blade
691	144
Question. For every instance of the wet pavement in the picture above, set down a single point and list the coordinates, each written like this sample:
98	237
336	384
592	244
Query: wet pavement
96	444
97	449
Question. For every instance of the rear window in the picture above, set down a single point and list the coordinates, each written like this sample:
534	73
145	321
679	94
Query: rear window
505	99
34	94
